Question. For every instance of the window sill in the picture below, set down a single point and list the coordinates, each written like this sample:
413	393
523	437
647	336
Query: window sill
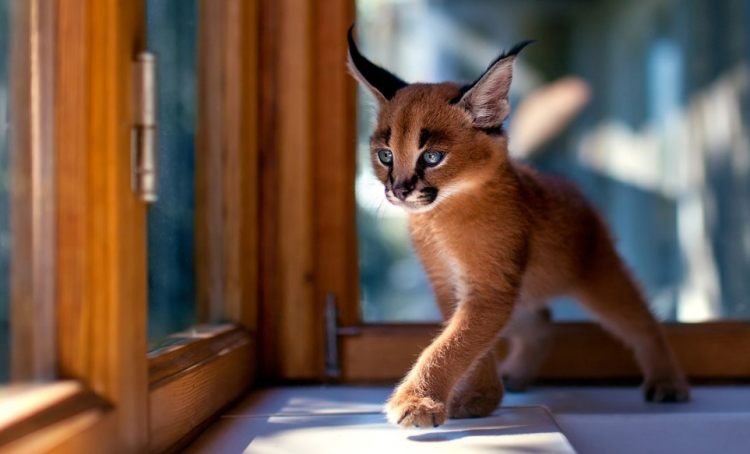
39	418
594	420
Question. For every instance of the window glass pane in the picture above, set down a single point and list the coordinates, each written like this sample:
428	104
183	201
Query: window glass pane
172	35
662	148
5	238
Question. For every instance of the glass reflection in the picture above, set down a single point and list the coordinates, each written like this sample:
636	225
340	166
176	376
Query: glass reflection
172	35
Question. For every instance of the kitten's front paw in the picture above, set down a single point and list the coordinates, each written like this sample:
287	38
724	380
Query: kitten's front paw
667	390
410	410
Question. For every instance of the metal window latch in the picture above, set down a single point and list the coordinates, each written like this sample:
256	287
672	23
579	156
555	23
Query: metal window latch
333	332
332	342
144	151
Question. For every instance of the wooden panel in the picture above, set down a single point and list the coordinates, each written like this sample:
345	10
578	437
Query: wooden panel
335	101
33	192
101	275
298	332
227	163
307	157
209	205
182	399
582	351
290	334
179	353
383	354
241	182
268	206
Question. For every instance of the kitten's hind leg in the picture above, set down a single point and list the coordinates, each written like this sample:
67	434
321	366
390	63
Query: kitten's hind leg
610	293
529	335
479	392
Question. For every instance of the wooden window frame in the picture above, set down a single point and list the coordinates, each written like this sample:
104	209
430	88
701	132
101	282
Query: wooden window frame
77	109
40	417
307	168
77	268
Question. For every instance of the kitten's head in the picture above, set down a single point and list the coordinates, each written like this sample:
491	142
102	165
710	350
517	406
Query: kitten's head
433	141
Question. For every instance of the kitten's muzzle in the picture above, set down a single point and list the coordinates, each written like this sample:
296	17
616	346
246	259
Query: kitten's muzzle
402	191
429	194
410	198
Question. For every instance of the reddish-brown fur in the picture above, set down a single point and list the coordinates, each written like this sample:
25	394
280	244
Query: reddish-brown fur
498	243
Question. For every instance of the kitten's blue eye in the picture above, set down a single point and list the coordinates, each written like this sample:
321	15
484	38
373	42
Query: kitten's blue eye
432	158
385	156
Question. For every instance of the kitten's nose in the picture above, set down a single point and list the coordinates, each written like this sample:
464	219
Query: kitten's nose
402	190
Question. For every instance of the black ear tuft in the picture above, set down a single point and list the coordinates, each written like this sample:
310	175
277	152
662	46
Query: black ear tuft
505	54
515	50
373	76
487	98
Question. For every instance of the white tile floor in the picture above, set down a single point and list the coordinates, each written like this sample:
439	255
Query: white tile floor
593	420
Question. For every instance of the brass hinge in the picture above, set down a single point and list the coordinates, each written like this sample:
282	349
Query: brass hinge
144	151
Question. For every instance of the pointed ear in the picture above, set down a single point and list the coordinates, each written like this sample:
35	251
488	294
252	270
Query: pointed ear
381	83
487	98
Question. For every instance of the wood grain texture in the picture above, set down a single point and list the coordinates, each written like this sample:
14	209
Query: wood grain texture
241	180
383	354
336	269
179	404
289	333
27	410
268	206
209	189
88	431
298	332
582	351
227	225
182	352
33	192
101	274
308	244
